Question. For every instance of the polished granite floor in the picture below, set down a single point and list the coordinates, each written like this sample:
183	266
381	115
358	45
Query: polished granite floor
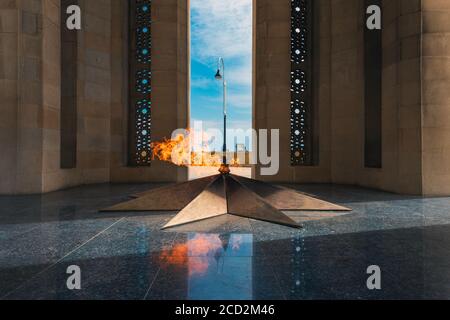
127	256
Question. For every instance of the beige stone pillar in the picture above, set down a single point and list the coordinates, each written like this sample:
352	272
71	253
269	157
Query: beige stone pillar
271	81
401	97
21	95
94	60
436	97
347	90
338	86
31	84
170	87
9	32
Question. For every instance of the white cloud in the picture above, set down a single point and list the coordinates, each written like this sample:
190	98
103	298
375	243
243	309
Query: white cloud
241	75
240	100
201	82
237	76
222	28
236	100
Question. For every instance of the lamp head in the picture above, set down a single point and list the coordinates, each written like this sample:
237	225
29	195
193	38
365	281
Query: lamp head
218	75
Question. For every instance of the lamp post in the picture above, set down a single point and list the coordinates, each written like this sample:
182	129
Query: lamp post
220	75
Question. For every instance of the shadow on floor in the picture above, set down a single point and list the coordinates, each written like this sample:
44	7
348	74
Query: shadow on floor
131	261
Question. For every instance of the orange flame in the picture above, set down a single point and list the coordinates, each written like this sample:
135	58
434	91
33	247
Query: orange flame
178	151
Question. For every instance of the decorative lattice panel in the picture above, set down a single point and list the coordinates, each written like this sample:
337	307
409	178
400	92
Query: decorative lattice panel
301	111
140	82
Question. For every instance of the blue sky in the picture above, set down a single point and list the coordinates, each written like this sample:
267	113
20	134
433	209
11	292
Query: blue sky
221	28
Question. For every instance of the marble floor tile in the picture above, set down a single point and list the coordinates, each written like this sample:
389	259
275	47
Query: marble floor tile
126	255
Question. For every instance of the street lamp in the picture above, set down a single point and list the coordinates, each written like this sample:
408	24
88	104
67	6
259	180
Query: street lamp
220	75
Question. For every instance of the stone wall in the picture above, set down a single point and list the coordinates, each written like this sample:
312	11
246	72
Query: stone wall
271	82
401	97
21	95
93	101
30	88
436	97
9	30
170	87
415	98
347	90
339	91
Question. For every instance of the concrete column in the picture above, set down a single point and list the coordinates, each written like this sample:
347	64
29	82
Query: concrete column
31	85
338	86
347	90
401	97
94	91
170	94
21	89
271	81
409	96
93	95
436	97
9	32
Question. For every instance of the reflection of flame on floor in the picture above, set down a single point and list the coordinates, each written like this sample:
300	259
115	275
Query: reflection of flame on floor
236	244
179	152
197	252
